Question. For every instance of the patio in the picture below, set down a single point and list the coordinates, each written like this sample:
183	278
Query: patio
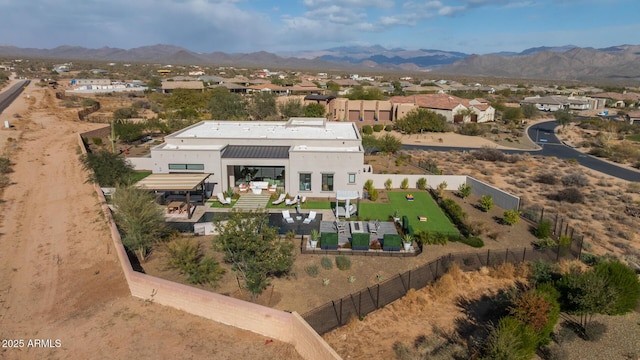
344	237
298	226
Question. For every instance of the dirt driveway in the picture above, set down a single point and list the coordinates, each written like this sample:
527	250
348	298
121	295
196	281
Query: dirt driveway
60	281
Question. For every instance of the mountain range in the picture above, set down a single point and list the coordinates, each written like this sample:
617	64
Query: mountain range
615	63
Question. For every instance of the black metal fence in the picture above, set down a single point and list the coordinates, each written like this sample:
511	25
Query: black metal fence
339	312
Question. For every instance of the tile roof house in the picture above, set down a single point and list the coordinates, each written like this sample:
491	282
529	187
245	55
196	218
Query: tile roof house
451	107
169	86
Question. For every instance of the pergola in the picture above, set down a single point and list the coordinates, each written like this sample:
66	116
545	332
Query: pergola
174	182
346	196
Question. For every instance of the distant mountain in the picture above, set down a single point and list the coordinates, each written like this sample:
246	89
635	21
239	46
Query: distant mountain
620	63
615	63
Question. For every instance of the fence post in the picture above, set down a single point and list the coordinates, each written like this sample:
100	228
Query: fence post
566	228
506	256
340	312
409	281
541	215
488	256
524	254
580	248
437	266
360	304
555	224
378	297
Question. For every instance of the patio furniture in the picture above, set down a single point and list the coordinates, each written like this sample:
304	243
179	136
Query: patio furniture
409	197
303	200
273	188
391	242
360	241
287	216
290	202
280	200
174	206
422	218
329	241
310	218
373	227
340	227
243	187
222	200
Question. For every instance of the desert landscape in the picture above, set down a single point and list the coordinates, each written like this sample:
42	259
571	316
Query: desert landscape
58	254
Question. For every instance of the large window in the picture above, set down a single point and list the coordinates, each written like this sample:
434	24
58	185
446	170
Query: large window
193	167
352	178
305	181
327	182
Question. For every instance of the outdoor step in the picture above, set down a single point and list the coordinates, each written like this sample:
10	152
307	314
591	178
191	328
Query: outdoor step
252	201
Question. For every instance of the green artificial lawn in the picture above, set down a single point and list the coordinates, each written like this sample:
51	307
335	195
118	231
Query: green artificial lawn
139	175
216	204
422	205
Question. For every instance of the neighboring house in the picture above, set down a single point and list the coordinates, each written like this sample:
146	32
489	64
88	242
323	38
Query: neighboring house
274	89
633	116
170	86
85	82
453	108
300	154
555	103
232	87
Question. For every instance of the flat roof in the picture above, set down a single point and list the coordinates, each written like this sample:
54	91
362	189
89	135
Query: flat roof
296	128
326	148
171	182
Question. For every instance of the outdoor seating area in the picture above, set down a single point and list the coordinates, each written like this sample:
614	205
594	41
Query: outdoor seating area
299	223
362	236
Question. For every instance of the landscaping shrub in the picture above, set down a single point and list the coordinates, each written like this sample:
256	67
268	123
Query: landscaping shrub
510	340
388	128
326	263
367	130
464	190
422	183
312	270
97	141
511	217
486	203
431	238
378	127
540	272
343	262
543	230
373	195
404	184
388	184
623	281
472	241
368	185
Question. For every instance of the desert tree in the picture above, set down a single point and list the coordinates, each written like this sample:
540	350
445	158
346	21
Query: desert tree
224	105
315	110
139	219
263	105
254	249
106	168
291	108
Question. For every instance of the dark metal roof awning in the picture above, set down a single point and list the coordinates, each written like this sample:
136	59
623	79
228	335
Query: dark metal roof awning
255	152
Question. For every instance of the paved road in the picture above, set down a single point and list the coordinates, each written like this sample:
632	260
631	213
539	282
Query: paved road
7	96
552	146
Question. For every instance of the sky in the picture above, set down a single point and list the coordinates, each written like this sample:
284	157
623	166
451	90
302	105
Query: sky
241	26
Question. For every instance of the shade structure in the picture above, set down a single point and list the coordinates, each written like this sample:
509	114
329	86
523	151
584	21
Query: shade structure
172	182
346	196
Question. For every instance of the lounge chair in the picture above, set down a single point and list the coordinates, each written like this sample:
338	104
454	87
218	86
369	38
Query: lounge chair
310	218
280	200
290	202
340	227
222	200
287	216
